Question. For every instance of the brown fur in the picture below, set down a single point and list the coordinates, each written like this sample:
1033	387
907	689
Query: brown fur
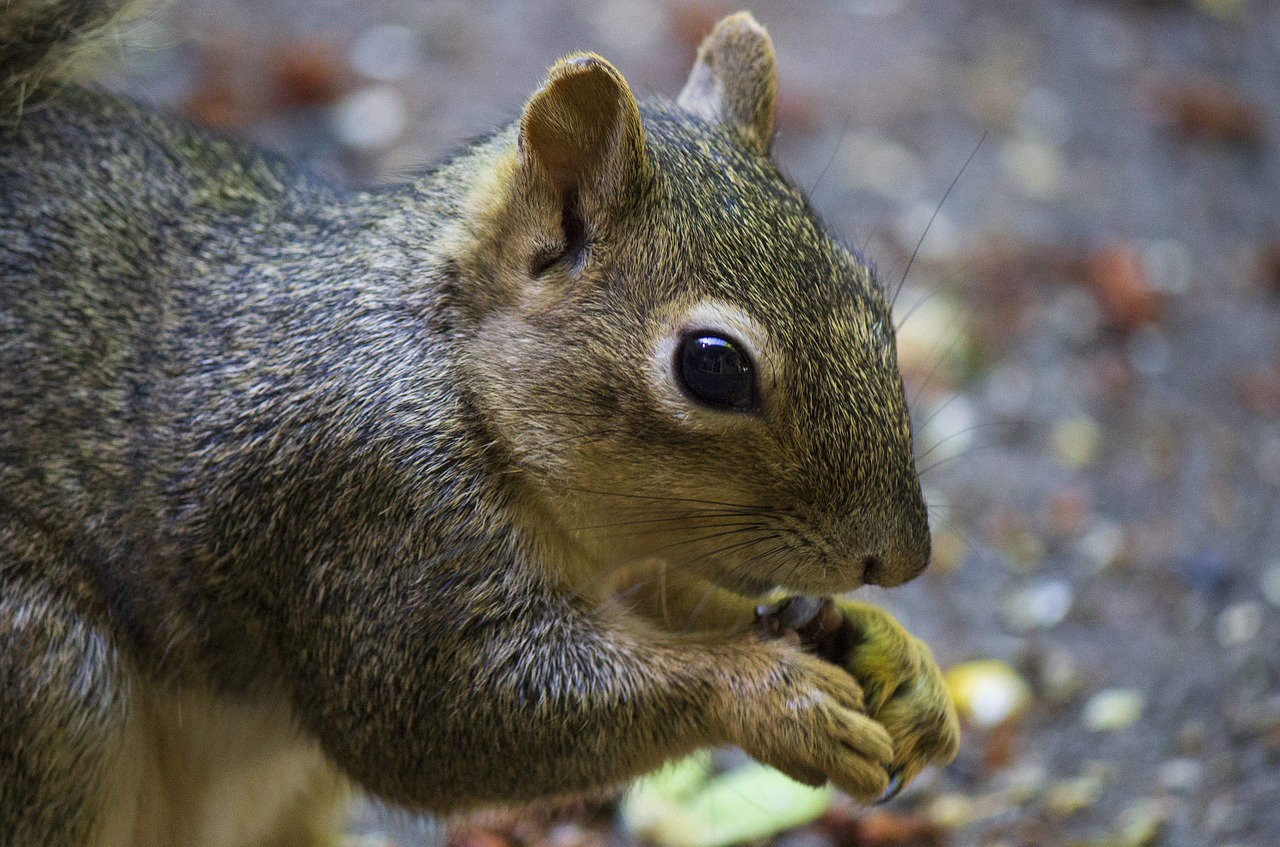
304	488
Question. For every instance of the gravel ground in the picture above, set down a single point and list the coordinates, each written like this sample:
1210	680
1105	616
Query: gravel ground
1091	333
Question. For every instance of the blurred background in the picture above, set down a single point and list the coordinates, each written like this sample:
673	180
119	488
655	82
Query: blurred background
1080	203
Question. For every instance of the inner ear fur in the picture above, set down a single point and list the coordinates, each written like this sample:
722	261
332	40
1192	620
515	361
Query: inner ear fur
734	80
581	133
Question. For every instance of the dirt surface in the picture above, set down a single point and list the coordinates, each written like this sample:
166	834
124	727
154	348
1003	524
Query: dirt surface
1091	335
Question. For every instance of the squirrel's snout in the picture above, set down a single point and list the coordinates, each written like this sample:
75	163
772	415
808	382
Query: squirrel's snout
879	571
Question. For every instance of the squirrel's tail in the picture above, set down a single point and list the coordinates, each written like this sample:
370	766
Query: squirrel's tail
41	41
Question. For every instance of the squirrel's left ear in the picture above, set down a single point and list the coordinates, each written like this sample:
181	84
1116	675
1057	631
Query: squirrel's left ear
581	134
734	80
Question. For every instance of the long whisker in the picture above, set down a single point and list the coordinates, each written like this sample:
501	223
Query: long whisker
934	217
957	434
692	618
690	515
695	539
668	499
968	451
643	531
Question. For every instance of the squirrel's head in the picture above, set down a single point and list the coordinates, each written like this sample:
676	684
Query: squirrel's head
679	360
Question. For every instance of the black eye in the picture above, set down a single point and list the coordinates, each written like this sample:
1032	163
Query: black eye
717	372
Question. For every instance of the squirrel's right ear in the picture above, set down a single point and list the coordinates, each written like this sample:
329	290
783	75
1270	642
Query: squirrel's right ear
581	133
734	80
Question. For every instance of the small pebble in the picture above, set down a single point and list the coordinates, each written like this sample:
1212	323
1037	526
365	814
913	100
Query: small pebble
1140	824
951	811
870	162
949	428
987	692
1076	441
1182	775
1060	678
927	230
933	336
949	544
1118	279
1070	796
1113	709
1041	605
371	117
1033	167
1239	624
1102	544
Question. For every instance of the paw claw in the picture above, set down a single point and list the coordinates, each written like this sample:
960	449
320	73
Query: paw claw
896	783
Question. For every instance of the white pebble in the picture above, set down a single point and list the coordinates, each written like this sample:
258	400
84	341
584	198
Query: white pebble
929	230
949	428
987	692
1182	775
371	117
1102	545
1033	167
1039	606
1239	623
873	163
1113	709
1076	441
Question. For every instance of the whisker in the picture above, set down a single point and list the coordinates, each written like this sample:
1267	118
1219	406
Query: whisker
958	433
691	514
969	451
848	119
637	533
695	539
746	567
934	217
668	499
692	618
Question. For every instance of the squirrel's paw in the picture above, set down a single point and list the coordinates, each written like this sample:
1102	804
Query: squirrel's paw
903	690
807	721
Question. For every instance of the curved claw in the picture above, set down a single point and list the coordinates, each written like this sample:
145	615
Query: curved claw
896	784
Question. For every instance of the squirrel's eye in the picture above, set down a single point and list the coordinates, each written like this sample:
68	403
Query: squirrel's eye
716	372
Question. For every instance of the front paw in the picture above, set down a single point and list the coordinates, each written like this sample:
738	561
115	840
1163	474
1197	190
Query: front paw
902	687
805	718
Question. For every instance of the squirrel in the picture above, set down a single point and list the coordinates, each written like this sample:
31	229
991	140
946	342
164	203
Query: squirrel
461	492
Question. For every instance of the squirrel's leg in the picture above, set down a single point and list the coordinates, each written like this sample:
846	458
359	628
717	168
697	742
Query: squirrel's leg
903	688
62	708
664	695
901	683
554	695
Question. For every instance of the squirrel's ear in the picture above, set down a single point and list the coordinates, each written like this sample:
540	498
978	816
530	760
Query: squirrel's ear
581	131
734	79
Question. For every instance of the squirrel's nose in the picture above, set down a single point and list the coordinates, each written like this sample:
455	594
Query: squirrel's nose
890	569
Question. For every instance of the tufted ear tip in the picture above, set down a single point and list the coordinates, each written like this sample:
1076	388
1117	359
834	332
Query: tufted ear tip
581	129
734	79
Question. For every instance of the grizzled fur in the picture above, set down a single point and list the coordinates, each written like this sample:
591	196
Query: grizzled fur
353	474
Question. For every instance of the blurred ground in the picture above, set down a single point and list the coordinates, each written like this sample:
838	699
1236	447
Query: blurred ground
1091	337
